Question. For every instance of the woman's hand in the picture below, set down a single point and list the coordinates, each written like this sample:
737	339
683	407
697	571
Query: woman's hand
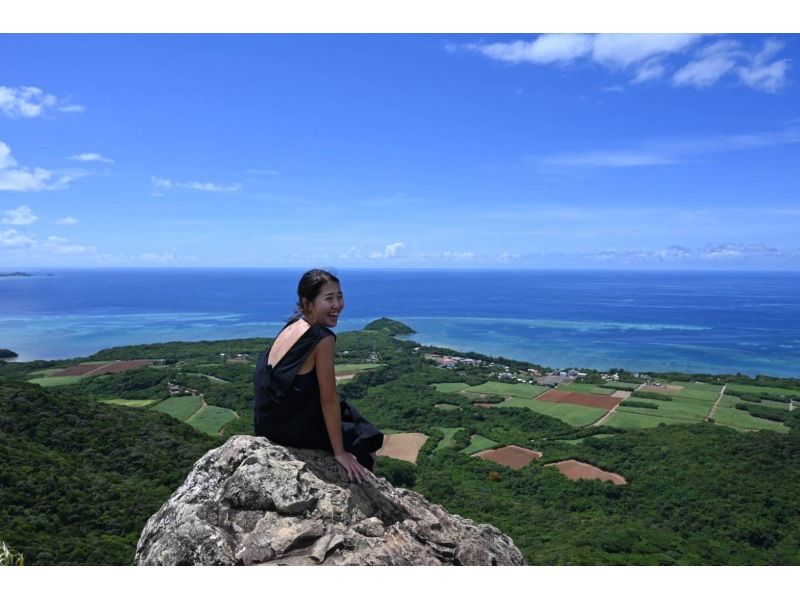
355	471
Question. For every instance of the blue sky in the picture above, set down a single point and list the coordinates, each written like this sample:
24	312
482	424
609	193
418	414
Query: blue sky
381	151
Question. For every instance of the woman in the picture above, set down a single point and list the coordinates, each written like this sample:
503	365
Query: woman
295	384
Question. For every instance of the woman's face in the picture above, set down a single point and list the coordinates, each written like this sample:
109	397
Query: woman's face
327	306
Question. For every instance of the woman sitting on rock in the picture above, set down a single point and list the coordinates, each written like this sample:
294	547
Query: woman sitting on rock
295	383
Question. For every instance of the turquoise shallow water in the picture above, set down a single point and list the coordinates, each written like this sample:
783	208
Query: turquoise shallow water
705	322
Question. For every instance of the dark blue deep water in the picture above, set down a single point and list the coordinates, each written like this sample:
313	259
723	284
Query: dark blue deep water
715	322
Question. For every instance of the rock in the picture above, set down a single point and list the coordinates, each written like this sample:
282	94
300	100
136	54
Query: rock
254	502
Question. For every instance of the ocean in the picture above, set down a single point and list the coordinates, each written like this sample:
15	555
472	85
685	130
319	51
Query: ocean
712	322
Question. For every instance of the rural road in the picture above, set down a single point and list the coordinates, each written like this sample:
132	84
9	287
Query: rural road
603	419
714	408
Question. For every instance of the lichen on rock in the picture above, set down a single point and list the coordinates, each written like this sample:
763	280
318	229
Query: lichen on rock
254	502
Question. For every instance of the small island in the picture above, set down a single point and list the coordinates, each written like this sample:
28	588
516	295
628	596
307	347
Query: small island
7	354
393	327
10	274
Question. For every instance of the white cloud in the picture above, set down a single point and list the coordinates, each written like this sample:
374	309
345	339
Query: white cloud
91	157
392	249
544	49
62	246
625	49
25	179
68	221
266	172
30	102
22	216
611	50
649	72
705	72
652	56
193	185
677	253
11	238
613	159
671	151
727	56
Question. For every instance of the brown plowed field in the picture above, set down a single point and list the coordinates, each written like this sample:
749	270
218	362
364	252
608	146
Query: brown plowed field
575	470
512	456
77	370
403	446
580	398
93	369
487	405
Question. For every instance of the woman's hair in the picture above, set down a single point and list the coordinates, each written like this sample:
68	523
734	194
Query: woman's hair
310	286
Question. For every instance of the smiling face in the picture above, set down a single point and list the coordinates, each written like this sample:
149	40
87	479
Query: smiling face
326	307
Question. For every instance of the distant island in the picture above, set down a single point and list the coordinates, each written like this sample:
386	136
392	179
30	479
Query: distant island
392	327
7	353
7	275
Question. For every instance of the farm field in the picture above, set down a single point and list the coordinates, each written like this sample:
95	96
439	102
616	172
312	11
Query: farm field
590	388
447	441
404	446
576	470
478	443
357	367
580	440
737	418
621	385
131	402
606	402
779	392
574	415
677	408
515	457
450	387
210	419
640	421
55	381
181	408
502	389
698	390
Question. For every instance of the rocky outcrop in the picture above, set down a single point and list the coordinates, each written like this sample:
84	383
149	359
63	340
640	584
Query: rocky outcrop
253	502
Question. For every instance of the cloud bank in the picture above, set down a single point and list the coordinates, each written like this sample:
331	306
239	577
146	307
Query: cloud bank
650	57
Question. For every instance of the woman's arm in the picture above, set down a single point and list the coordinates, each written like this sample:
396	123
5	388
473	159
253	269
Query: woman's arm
326	377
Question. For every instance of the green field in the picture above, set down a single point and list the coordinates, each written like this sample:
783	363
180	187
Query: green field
580	440
211	419
574	415
131	402
636	421
42	373
588	388
450	386
447	441
678	408
478	443
501	389
780	392
698	390
55	381
621	385
181	408
446	406
357	367
738	418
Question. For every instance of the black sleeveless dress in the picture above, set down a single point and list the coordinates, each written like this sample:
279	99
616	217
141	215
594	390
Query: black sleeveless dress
287	407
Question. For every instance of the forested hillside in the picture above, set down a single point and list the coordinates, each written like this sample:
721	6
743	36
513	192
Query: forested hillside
708	462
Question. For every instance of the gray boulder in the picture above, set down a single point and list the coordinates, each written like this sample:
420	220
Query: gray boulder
252	502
